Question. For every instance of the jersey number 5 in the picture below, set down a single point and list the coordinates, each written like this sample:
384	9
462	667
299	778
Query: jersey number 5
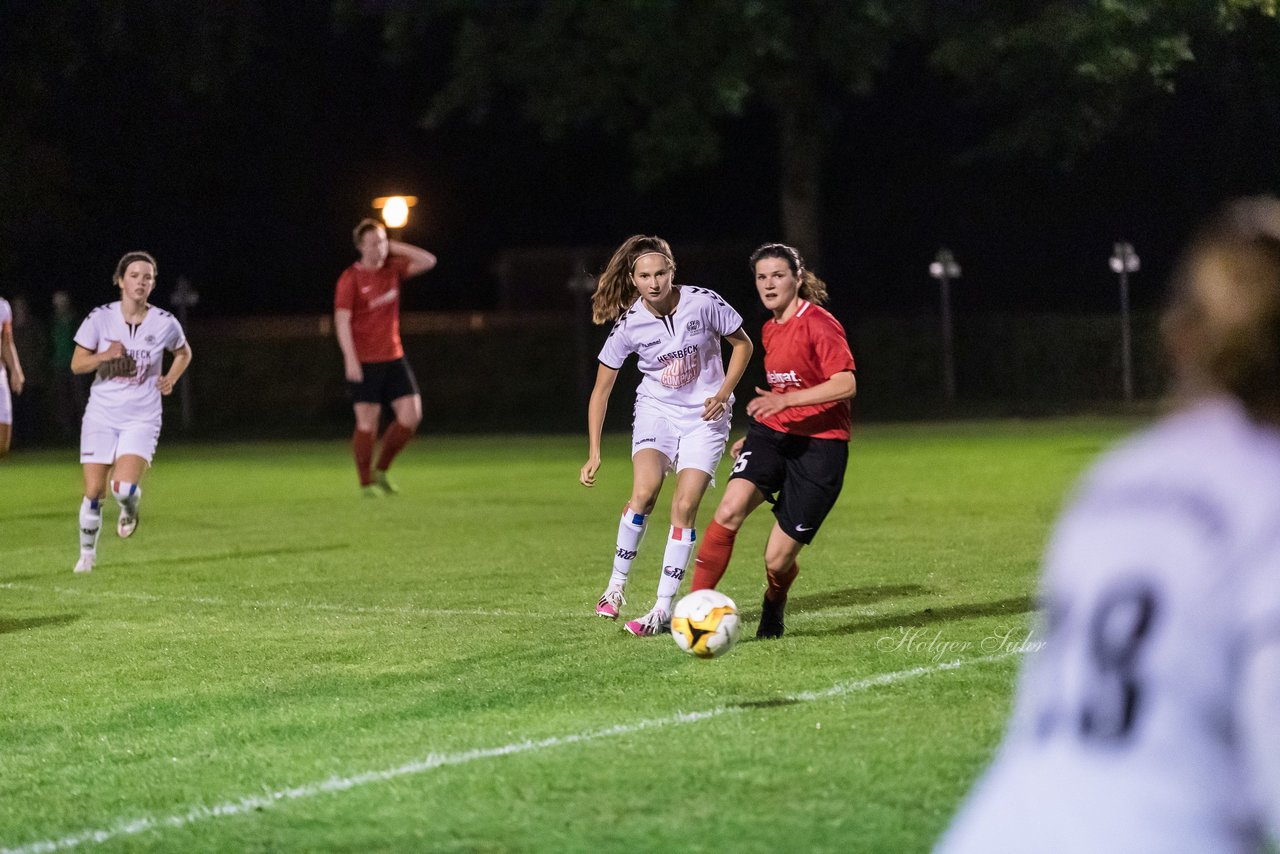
741	462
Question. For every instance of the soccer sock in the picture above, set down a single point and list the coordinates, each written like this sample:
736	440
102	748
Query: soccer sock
90	525
393	441
127	495
630	530
674	560
713	556
779	583
362	446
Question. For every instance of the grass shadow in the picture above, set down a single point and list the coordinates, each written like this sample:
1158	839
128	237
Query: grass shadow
928	616
9	626
844	598
246	553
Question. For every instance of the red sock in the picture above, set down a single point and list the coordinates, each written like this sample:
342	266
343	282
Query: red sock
396	437
713	556
779	583
362	448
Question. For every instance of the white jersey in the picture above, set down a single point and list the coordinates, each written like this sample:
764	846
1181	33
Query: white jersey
6	316
136	397
679	355
1134	729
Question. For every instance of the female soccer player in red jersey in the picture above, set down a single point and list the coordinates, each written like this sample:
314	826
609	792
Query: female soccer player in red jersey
682	411
366	318
795	453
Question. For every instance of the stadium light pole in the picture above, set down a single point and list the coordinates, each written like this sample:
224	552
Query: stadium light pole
1123	262
184	297
945	268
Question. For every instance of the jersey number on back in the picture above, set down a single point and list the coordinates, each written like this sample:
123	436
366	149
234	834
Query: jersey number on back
1113	694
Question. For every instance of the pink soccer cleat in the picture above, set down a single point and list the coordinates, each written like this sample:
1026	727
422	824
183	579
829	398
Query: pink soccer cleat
610	603
656	622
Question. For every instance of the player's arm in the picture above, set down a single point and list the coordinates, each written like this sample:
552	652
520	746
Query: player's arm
420	260
714	407
111	362
347	343
181	361
599	403
9	355
841	386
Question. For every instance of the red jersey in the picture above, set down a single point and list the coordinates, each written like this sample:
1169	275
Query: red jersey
373	298
804	351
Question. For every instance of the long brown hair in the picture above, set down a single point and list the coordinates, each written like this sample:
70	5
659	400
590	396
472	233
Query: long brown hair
615	292
1222	325
811	287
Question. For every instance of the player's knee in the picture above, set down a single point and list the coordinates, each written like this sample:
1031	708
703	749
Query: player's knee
683	510
642	503
731	514
410	421
124	491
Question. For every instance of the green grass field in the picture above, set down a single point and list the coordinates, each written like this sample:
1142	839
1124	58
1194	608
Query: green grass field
274	663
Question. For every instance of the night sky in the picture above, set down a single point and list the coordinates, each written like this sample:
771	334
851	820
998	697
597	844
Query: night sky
251	189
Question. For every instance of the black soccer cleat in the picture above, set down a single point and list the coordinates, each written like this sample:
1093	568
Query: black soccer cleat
771	624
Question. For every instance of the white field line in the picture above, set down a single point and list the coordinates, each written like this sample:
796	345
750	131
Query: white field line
288	605
251	803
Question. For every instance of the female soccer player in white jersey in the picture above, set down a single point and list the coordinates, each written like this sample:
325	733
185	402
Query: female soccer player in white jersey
797	449
1150	719
683	405
11	376
123	343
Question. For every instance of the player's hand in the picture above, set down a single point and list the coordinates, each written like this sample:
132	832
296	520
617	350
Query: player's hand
16	382
114	351
587	477
714	408
736	447
165	385
766	404
354	372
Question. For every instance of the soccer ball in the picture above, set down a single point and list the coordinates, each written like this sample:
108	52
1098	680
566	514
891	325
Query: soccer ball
705	623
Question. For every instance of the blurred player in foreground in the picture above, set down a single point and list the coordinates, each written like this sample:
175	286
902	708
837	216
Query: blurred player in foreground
11	376
796	451
366	318
1150	718
123	343
683	405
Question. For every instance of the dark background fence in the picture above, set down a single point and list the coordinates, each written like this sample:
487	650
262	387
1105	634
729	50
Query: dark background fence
531	373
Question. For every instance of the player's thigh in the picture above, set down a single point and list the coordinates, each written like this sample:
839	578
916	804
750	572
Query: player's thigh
408	410
702	444
401	388
813	483
741	498
761	462
367	415
98	440
129	468
137	439
654	430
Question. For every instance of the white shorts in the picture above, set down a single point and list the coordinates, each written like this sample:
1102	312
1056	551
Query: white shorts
105	443
6	402
686	440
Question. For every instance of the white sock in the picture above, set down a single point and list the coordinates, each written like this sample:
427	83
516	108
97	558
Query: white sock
674	561
90	525
127	495
630	530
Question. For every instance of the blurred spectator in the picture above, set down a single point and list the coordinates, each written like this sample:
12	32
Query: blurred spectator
30	340
67	389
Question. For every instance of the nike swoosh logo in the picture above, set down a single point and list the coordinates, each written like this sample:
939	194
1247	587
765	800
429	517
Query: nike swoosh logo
802	528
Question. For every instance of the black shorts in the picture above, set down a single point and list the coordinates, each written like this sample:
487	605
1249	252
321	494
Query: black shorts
384	382
800	475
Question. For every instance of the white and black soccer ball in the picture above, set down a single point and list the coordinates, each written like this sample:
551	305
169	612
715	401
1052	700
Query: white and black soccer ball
705	623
